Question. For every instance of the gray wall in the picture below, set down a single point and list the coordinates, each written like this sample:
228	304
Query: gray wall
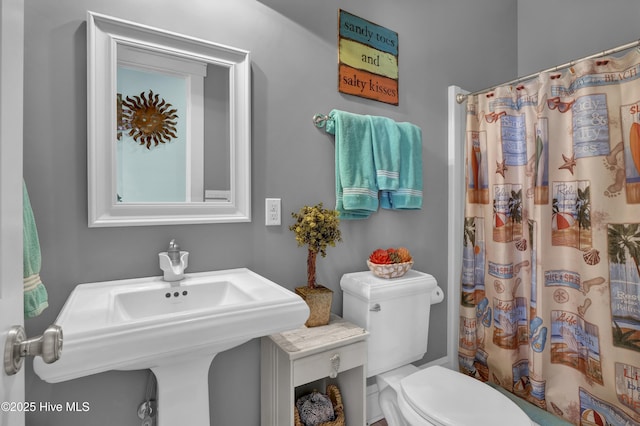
554	32
470	43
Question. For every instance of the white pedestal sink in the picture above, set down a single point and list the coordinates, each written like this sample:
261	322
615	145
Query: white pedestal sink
174	329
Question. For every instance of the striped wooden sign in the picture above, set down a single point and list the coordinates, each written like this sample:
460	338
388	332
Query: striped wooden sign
368	55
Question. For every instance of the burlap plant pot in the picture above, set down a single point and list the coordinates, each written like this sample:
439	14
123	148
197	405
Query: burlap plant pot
319	301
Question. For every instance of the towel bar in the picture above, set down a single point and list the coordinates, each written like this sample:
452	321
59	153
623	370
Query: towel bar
320	119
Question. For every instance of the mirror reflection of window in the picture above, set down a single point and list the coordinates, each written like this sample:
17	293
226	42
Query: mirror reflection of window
151	167
157	159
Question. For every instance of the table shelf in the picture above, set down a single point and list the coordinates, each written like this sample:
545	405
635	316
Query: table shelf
296	362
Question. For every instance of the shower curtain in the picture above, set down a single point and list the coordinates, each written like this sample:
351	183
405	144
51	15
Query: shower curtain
550	302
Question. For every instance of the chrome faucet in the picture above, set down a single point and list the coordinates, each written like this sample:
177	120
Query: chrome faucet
173	262
174	252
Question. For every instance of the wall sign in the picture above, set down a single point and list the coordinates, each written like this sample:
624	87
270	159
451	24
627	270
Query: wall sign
368	59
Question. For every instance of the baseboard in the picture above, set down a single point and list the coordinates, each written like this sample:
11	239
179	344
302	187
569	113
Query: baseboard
373	408
374	413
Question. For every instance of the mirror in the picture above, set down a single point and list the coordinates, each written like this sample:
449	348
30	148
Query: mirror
168	127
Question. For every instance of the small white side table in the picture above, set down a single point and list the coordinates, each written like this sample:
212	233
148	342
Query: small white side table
296	362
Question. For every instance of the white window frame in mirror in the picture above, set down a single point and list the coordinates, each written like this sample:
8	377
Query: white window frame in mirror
104	34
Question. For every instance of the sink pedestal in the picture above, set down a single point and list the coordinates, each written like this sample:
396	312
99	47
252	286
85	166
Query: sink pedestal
183	391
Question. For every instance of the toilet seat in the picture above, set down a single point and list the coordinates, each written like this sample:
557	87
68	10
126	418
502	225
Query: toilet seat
444	397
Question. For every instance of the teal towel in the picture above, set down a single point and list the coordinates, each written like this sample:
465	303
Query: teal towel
356	187
408	195
35	294
386	152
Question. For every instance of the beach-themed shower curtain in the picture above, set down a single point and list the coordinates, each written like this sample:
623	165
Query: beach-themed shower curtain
550	306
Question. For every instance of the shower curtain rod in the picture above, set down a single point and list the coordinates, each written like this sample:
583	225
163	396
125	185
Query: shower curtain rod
461	97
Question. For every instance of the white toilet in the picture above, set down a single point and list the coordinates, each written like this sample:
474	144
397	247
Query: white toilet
395	312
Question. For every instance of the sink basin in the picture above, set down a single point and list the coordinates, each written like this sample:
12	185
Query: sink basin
159	299
176	329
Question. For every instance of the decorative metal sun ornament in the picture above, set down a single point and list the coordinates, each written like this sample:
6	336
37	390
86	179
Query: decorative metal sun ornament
149	119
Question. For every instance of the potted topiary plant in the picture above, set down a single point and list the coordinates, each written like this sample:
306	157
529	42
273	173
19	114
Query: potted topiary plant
317	228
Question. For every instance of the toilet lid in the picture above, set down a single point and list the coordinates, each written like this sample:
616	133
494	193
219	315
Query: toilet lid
446	397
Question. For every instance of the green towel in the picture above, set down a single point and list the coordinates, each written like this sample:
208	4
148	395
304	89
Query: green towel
408	195
386	152
35	294
375	154
356	190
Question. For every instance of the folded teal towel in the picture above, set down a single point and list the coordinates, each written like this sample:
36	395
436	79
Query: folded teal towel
35	294
356	187
375	154
386	152
408	195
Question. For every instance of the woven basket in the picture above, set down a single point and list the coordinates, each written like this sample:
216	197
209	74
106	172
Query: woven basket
338	409
389	270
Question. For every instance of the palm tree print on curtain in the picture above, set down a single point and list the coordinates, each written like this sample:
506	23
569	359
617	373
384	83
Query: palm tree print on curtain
550	294
624	273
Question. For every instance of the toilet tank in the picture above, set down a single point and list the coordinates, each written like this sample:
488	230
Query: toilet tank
395	312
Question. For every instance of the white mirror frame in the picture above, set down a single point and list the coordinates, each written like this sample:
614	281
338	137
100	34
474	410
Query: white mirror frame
104	34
